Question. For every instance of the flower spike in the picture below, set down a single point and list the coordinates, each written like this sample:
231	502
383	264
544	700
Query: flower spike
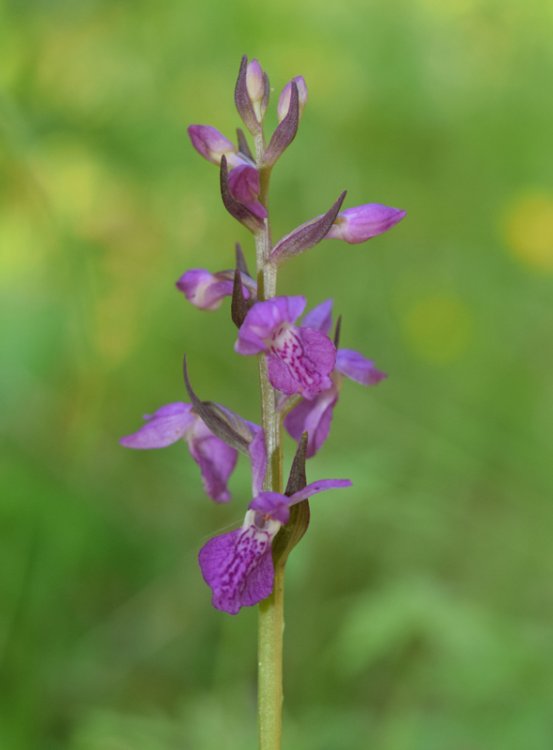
308	234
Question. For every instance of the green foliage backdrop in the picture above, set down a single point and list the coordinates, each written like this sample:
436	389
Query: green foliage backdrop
419	605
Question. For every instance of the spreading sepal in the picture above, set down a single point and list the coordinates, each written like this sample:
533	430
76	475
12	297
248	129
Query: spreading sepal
179	421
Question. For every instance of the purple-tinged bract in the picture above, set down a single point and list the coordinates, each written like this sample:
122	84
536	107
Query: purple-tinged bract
284	99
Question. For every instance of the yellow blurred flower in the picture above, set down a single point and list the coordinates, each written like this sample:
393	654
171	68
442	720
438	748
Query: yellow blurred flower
527	227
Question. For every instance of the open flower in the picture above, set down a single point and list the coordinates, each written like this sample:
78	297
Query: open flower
314	415
300	359
238	565
177	421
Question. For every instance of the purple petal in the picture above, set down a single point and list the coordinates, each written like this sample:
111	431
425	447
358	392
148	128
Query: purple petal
355	366
203	289
315	487
363	222
164	427
309	357
320	317
272	504
307	235
244	185
238	567
216	460
240	211
280	376
313	417
207	290
264	320
212	144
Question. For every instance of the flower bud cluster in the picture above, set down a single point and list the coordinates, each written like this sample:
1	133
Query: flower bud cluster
301	357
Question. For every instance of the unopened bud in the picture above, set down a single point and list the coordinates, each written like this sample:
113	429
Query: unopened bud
363	222
244	185
284	99
213	145
257	85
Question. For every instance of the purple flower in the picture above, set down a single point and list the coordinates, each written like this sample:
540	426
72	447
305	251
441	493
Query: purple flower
244	185
207	290
213	145
238	565
300	359
314	415
177	421
363	222
284	100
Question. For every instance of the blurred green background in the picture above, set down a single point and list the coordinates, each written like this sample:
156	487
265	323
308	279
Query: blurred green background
419	606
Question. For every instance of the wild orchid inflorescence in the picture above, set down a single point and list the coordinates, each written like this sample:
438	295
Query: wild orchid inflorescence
301	367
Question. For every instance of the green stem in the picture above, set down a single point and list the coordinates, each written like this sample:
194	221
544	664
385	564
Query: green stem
271	610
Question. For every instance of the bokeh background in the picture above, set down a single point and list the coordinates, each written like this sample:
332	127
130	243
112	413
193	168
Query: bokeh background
419	606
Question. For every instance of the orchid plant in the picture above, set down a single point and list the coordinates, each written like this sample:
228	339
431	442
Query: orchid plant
300	367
